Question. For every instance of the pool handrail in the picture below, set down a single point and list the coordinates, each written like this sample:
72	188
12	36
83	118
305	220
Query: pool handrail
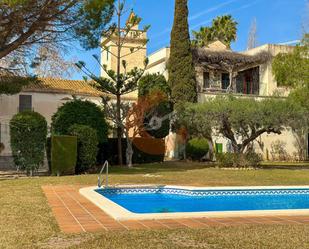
100	181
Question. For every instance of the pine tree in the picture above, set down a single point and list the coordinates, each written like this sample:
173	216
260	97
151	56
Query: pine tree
180	65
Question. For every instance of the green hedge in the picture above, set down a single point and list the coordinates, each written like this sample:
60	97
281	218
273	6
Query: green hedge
197	148
108	151
63	155
82	113
87	147
28	131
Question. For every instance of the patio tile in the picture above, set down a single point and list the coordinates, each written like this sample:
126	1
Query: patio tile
191	223
75	214
152	224
172	223
133	224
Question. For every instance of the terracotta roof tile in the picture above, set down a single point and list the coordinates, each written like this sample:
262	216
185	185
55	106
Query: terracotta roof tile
52	85
74	87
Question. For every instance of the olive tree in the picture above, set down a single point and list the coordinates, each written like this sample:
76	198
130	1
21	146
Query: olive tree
240	120
299	99
191	122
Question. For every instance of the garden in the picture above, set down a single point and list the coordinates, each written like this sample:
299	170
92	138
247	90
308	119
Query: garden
132	135
29	222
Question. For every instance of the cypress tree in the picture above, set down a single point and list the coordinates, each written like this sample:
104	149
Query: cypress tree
180	66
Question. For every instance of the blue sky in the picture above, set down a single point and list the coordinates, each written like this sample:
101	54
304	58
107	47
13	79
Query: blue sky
278	21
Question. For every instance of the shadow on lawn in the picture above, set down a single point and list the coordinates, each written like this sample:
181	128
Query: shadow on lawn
159	168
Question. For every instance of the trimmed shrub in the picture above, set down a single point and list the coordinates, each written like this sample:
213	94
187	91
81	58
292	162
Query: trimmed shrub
87	146
48	153
82	113
63	155
250	159
197	148
28	131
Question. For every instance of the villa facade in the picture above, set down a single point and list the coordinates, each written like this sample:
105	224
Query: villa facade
247	74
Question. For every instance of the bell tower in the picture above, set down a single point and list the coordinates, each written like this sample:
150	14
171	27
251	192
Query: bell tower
133	50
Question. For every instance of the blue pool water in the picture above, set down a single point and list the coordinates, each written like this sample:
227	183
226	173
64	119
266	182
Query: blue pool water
165	200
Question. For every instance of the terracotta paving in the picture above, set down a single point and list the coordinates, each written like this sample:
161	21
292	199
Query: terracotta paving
75	214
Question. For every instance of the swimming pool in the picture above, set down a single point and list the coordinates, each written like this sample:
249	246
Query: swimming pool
178	201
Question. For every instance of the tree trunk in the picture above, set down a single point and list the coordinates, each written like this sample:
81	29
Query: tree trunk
129	153
119	130
230	87
211	149
185	151
300	137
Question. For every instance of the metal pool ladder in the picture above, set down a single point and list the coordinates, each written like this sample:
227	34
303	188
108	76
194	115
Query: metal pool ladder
100	180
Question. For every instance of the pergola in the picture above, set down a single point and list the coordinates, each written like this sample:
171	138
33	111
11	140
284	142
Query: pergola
229	61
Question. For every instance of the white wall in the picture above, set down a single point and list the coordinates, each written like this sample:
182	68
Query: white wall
158	62
44	103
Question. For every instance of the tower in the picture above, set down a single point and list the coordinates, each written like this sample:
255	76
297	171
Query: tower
133	50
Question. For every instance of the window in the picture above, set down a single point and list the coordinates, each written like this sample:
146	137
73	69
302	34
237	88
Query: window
225	80
25	103
247	82
206	83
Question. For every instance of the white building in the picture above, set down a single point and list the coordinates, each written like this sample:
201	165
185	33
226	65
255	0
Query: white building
246	74
45	98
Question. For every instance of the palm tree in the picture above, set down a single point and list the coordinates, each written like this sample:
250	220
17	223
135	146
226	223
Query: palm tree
202	37
223	28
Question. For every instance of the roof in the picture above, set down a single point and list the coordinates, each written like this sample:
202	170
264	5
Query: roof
53	85
228	58
65	86
217	45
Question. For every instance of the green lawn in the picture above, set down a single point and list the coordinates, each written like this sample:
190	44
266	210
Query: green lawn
26	220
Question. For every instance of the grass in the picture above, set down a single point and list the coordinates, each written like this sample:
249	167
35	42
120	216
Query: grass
27	222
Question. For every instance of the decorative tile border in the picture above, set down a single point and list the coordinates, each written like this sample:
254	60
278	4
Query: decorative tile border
120	213
200	193
75	214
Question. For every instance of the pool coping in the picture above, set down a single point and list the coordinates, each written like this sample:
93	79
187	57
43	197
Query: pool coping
119	213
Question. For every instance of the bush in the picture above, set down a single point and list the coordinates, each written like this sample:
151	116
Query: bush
253	159
87	146
225	159
63	155
250	159
82	113
197	148
108	151
28	131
